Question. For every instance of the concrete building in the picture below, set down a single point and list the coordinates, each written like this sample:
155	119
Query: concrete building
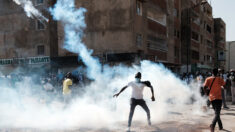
24	41
198	50
230	55
220	42
131	30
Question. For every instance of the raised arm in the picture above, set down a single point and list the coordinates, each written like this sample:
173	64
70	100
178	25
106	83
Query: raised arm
117	94
148	84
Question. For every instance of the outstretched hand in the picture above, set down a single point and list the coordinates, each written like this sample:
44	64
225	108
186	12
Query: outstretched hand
153	98
116	95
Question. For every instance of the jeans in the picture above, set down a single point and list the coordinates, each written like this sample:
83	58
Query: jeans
217	104
134	103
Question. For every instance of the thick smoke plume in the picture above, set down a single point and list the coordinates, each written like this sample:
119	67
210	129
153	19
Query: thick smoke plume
28	106
30	10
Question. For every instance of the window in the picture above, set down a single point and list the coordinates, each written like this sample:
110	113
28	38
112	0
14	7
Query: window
204	25
208	28
155	43
139	8
139	39
195	55
209	58
177	33
196	21
195	36
40	25
176	52
201	39
41	50
209	44
176	13
39	2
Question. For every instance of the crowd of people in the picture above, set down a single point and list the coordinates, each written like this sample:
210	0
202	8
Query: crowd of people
51	85
218	86
228	93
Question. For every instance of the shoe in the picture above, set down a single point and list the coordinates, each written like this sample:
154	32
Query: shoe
221	128
226	107
128	129
212	128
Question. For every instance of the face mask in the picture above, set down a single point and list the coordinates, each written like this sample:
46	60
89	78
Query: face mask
137	79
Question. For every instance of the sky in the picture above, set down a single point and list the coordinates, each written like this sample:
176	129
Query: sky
225	9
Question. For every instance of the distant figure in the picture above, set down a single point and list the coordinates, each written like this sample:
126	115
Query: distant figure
137	96
215	83
66	89
232	78
224	91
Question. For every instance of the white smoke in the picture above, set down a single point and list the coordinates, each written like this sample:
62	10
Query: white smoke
27	106
30	10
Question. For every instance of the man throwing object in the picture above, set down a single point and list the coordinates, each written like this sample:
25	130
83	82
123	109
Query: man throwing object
137	96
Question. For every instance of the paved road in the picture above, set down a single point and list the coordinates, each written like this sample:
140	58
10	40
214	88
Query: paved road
179	122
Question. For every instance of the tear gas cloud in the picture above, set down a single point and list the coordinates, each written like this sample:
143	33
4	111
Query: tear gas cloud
27	105
30	10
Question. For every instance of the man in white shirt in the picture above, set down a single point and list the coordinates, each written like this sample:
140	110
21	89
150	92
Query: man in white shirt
137	96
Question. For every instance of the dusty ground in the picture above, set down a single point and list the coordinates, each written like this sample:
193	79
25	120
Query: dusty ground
180	122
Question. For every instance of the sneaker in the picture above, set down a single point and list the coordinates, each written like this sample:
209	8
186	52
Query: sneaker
128	129
226	107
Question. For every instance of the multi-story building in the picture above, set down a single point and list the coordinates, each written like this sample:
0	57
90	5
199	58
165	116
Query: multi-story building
230	55
131	30
117	31
197	36
220	42
25	41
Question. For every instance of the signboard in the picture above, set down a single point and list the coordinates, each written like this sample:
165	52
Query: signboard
29	60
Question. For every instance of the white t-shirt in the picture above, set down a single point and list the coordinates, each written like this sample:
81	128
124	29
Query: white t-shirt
137	89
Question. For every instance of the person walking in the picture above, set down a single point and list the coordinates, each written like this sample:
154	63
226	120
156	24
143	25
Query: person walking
214	84
137	97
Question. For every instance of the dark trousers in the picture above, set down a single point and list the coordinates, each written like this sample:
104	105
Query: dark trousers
134	103
217	104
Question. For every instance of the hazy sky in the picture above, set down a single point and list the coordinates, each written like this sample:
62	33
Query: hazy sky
226	10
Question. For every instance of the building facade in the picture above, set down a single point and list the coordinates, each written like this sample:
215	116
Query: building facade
230	55
198	49
25	41
177	33
132	30
220	42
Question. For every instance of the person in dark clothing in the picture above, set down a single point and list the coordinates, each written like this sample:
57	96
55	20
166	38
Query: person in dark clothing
137	97
215	83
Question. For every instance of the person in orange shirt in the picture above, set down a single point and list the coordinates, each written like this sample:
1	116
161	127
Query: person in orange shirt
215	84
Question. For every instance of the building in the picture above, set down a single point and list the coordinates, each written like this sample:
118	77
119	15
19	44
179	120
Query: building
132	30
220	42
177	33
26	42
198	50
230	55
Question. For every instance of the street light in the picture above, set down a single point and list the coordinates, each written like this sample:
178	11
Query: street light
188	29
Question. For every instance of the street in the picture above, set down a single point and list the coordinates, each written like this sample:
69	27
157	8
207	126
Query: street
179	122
